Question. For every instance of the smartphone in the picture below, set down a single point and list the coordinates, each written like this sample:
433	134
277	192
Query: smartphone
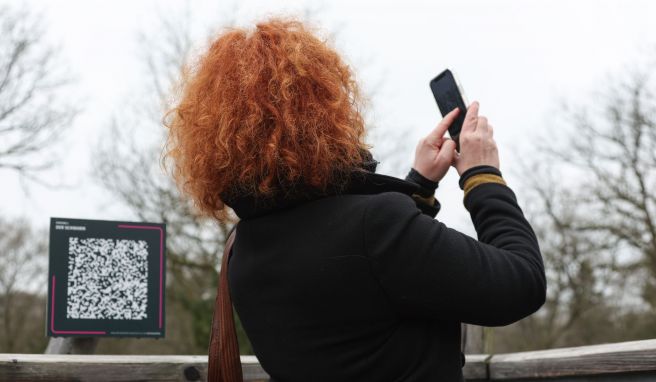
449	95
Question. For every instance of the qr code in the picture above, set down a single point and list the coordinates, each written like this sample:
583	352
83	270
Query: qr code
107	279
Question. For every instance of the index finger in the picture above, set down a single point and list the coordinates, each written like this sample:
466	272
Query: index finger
471	118
436	135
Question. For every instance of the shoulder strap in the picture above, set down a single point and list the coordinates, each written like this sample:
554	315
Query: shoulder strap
224	364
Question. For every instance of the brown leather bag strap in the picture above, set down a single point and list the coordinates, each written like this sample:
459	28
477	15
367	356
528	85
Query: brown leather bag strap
224	364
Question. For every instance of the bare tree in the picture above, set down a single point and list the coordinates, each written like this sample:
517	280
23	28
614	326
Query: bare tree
33	110
128	166
615	147
583	284
24	263
594	210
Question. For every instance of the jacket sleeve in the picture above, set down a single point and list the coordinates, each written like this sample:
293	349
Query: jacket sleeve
425	196
431	271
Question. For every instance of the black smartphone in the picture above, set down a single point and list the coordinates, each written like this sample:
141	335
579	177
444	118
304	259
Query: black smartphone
449	95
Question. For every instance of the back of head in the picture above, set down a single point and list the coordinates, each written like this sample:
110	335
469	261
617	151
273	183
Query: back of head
262	112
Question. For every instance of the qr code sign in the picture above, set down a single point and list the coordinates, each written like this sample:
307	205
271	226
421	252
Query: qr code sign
107	279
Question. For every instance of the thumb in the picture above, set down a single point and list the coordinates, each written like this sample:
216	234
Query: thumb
447	152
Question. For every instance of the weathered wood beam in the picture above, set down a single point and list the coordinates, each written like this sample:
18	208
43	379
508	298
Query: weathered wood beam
625	361
58	367
65	367
476	367
623	357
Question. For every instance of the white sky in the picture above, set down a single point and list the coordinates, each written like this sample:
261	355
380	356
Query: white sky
518	58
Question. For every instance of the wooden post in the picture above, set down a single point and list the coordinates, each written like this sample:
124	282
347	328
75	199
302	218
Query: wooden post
472	339
72	345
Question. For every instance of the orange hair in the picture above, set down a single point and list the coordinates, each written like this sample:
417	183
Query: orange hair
265	112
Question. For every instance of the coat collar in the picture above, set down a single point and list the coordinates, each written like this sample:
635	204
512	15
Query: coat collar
364	182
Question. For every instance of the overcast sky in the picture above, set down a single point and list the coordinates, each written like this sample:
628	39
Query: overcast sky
518	58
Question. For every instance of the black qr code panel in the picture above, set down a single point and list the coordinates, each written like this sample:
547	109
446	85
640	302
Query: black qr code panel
107	279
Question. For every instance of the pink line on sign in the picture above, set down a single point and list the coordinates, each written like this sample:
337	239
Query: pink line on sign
161	258
52	318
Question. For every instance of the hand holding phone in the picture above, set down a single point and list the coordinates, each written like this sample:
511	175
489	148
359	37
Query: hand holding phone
435	153
477	142
449	95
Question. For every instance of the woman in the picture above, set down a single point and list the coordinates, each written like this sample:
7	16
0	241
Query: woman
339	273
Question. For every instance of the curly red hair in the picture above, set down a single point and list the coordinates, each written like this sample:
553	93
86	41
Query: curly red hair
264	110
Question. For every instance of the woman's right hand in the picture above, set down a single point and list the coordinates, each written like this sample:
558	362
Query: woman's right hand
477	147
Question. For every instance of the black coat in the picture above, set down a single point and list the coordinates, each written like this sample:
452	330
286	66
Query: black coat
363	286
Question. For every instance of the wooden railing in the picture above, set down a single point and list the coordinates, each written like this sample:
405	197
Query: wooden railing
626	361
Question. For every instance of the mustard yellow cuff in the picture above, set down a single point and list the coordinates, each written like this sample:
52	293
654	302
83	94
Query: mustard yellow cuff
477	180
426	200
